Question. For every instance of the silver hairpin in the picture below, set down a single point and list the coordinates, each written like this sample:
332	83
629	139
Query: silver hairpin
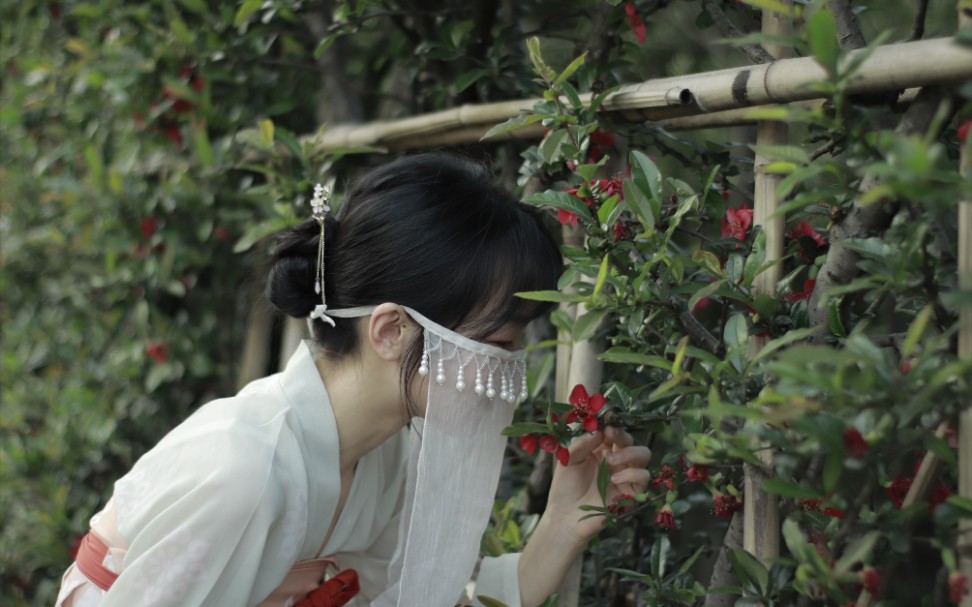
320	207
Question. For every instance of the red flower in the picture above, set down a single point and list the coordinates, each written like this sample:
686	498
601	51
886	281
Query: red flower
620	232
898	489
529	444
939	495
724	506
586	408
148	226
805	294
958	584
609	187
736	223
697	472
871	581
620	504
566	218
157	351
963	131
549	444
665	518
563	456
174	135
600	141
635	23
854	444
806	230
664	478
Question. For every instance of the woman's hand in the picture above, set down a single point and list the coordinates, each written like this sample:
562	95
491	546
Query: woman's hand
575	485
561	536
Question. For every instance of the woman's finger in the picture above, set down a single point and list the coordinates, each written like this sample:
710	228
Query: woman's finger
582	447
636	477
634	457
617	437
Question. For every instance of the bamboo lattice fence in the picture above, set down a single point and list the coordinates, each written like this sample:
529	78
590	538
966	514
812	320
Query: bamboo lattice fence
717	99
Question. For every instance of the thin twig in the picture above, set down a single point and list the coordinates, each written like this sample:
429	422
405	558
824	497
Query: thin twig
918	29
756	53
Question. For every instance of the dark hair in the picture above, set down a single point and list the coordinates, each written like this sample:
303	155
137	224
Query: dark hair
430	232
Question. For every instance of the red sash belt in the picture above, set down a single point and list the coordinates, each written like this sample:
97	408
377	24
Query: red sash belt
90	560
336	592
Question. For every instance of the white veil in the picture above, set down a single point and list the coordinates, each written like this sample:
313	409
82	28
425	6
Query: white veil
473	390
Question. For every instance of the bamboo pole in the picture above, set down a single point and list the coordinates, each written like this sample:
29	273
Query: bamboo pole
965	342
761	514
890	67
579	366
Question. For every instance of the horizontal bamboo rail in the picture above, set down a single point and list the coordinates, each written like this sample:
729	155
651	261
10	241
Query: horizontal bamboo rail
889	68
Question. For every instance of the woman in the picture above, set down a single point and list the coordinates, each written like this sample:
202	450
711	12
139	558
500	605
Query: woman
376	452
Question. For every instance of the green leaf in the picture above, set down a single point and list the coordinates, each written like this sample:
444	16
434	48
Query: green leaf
490	602
755	259
784	488
915	331
833	468
587	323
508	126
749	570
834	320
204	150
962	503
639	204
779	342
822	31
554	296
659	556
709	261
704	292
560	200
619	354
469	78
602	274
550	146
642	168
857	552
774	6
569	70
603	480
736	331
266	132
246	11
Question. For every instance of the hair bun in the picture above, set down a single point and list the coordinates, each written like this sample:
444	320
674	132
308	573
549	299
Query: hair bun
293	268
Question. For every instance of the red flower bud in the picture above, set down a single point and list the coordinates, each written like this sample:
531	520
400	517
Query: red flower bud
854	444
697	472
871	581
665	518
963	131
148	226
563	456
548	444
157	351
958	585
529	443
724	506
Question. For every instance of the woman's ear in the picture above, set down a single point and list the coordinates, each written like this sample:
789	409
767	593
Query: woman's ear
389	331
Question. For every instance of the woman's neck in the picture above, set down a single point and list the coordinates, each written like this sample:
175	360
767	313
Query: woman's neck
366	400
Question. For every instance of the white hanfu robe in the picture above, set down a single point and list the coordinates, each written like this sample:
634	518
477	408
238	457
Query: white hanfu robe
220	511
